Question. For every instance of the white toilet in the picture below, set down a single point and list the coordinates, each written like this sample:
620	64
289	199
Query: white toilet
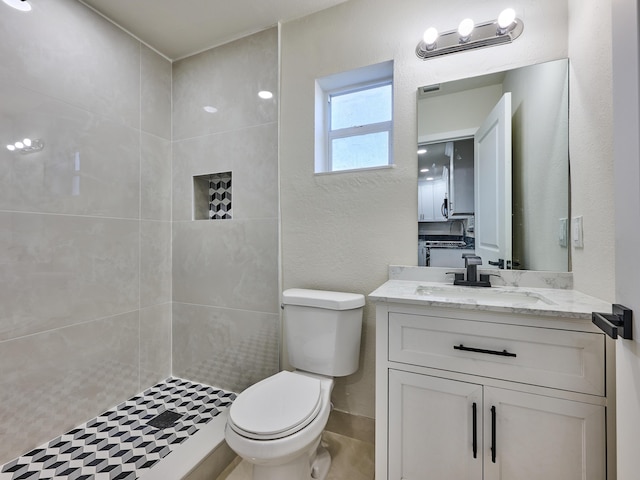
276	424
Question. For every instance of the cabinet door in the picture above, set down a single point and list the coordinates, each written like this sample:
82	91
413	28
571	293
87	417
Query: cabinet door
425	201
439	194
431	428
532	437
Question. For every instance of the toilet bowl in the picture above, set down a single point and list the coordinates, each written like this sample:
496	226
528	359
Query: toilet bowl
277	423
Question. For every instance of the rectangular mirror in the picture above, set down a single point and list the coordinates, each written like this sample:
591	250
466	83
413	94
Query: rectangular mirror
493	169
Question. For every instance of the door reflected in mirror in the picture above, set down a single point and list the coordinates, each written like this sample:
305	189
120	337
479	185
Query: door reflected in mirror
493	169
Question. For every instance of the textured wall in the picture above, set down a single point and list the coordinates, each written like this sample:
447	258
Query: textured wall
341	231
225	272
85	226
591	145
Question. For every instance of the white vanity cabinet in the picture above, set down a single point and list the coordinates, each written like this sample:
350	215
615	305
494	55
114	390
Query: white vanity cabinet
475	395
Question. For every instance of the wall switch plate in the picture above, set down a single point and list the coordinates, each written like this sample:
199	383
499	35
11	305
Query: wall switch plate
563	233
576	232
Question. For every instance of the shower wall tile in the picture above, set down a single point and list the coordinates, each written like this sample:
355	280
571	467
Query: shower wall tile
85	224
155	344
155	178
54	380
227	348
155	263
60	270
90	165
250	153
75	55
155	93
228	78
230	264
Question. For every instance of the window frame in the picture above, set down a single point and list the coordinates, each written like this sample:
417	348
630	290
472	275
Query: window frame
358	130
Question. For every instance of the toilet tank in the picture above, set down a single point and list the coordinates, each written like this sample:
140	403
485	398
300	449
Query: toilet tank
322	330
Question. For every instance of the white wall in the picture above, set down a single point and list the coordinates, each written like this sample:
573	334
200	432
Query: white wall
540	172
342	231
454	112
591	144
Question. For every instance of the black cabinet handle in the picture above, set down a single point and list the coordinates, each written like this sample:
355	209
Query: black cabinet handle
494	448
474	410
502	353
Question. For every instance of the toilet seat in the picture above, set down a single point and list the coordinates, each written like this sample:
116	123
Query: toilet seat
276	407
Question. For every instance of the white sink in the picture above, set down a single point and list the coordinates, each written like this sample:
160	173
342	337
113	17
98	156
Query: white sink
484	295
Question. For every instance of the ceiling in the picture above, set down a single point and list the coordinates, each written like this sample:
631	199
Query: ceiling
179	28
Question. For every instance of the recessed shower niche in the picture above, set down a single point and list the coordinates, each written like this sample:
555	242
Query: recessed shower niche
212	196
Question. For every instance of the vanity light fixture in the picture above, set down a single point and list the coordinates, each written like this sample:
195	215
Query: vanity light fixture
26	146
21	5
505	29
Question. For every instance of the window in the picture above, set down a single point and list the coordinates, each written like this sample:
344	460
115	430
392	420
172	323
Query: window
356	121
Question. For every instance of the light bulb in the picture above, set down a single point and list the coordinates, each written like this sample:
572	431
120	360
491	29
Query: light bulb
11	148
421	151
19	145
465	28
18	5
430	36
210	109
27	142
265	94
506	18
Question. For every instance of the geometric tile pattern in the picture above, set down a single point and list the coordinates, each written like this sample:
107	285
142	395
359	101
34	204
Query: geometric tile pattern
119	443
220	196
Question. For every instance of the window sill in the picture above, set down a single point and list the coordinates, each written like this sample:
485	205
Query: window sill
352	170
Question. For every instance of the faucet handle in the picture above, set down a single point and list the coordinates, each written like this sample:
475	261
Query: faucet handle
471	259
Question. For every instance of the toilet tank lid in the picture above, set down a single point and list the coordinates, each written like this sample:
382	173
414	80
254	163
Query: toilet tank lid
322	299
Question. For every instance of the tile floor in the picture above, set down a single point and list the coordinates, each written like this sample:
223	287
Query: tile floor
124	441
351	460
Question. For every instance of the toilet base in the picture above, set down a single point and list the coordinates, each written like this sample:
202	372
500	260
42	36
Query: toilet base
320	466
304	467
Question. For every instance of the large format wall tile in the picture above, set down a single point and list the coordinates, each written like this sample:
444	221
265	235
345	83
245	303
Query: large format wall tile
74	55
155	263
155	344
228	78
251	154
227	263
232	349
155	178
90	165
155	101
59	270
53	381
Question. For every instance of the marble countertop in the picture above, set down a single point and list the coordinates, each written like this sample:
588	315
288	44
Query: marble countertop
511	299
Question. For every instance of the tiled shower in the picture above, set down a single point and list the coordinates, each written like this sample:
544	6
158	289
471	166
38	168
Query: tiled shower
109	283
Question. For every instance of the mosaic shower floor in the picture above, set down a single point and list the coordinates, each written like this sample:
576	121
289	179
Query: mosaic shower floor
125	441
